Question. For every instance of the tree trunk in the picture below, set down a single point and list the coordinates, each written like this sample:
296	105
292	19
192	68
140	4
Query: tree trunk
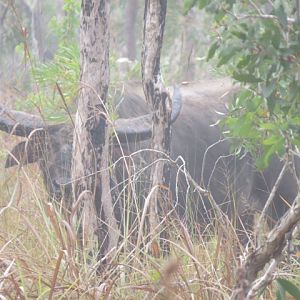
38	31
90	124
187	60
130	28
157	96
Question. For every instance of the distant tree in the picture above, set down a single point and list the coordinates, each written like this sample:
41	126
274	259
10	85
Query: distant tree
131	11
38	30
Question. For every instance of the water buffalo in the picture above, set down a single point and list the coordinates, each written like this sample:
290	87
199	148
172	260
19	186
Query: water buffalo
204	151
51	145
232	181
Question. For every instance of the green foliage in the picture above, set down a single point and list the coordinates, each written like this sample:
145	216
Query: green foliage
67	27
60	74
258	46
188	4
56	82
286	286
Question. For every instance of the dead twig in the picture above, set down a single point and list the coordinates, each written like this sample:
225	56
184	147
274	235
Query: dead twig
246	287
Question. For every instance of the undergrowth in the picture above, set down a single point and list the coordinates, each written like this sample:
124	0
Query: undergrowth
40	257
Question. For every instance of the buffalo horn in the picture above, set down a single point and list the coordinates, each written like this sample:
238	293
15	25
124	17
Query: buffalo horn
19	123
140	128
128	130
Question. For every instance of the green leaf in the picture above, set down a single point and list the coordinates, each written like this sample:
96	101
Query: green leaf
268	88
276	38
212	50
281	15
295	122
203	3
289	287
243	96
246	78
188	5
270	149
294	89
245	60
280	293
243	127
219	16
20	49
254	103
226	54
263	162
244	130
271	140
268	126
272	71
239	34
271	103
296	142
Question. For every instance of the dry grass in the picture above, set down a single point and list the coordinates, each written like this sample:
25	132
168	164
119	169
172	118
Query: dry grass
39	255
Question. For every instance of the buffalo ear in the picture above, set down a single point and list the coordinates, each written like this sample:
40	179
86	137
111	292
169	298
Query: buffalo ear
24	153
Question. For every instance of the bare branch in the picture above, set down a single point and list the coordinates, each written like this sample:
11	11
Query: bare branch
271	197
271	249
264	280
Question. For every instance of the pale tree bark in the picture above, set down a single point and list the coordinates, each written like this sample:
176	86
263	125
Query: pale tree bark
113	232
157	96
90	127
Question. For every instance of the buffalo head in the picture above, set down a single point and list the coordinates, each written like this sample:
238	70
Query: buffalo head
51	145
